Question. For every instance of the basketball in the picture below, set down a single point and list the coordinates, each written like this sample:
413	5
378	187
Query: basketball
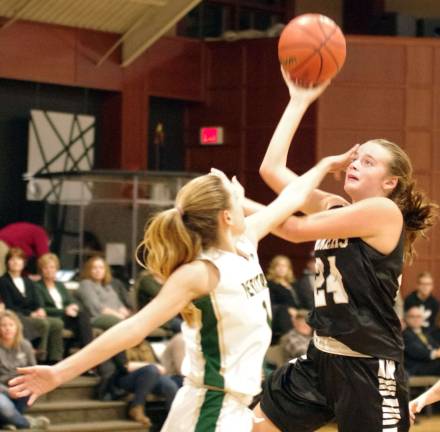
311	49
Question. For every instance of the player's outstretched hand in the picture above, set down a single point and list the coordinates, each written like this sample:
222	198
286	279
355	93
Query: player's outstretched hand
303	93
33	381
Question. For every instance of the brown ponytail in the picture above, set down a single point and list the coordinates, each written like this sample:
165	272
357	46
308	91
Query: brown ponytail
176	236
419	213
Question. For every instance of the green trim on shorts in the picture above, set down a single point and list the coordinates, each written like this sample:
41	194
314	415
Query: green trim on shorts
210	343
210	411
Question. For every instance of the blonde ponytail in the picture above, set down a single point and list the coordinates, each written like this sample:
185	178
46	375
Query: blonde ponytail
177	236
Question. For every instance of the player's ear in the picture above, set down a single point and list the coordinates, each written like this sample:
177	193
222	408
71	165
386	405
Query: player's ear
389	184
225	217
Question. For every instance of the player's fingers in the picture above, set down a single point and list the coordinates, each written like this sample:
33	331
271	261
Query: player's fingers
19	392
32	399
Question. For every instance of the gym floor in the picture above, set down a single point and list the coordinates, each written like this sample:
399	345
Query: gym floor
425	424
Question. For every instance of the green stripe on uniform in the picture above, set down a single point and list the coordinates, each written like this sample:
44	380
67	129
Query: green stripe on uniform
210	411
210	343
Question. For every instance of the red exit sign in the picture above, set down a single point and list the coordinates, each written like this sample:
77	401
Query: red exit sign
211	135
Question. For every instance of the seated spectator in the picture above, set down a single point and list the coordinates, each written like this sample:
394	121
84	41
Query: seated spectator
283	298
422	296
137	372
57	301
422	354
15	351
20	295
98	296
30	238
146	287
305	285
295	343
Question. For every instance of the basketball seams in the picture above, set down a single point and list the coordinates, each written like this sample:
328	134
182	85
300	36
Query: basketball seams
317	50
321	42
321	64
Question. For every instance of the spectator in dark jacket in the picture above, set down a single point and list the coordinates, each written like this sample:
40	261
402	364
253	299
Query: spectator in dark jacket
20	295
422	354
58	303
305	286
283	298
146	287
423	297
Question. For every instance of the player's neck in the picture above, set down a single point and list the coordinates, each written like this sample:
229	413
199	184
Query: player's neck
227	242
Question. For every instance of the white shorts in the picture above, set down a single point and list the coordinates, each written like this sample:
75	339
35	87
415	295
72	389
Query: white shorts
196	409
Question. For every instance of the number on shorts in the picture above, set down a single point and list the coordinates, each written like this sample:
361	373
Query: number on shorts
332	284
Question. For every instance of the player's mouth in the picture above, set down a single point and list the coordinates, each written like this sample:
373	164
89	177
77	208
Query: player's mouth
351	177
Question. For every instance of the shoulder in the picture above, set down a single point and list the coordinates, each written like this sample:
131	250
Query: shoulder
200	276
26	346
86	283
4	280
60	285
410	298
378	203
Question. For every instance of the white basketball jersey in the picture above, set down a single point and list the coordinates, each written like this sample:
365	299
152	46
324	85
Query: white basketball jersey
226	346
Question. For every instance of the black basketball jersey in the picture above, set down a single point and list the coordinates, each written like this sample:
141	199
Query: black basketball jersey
355	291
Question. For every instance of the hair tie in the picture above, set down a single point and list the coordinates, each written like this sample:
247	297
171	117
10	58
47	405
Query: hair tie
179	210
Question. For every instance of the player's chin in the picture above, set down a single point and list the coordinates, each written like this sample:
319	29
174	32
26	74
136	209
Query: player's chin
350	185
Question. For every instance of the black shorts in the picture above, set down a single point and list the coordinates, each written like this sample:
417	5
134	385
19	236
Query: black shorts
360	394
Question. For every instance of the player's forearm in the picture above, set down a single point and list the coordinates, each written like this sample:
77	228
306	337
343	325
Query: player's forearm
273	168
118	338
290	200
250	207
433	394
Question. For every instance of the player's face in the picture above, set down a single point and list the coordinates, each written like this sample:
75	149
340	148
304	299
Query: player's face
367	175
236	210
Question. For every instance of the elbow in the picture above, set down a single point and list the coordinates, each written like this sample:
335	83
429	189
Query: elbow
265	171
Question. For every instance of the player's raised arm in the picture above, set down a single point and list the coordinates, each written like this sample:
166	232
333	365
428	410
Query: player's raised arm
273	169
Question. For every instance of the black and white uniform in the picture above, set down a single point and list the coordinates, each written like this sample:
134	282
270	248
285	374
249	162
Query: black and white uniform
353	371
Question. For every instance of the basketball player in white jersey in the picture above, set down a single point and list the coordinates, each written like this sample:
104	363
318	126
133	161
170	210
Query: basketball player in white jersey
205	249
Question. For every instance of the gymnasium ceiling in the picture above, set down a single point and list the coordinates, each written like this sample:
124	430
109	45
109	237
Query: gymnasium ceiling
139	22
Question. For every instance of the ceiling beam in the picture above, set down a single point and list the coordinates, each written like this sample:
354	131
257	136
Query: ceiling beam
154	25
18	14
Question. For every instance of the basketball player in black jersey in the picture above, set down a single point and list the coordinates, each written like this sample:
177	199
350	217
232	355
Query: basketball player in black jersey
353	370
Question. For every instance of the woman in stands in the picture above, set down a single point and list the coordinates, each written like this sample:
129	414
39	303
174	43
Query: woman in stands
20	295
15	351
58	302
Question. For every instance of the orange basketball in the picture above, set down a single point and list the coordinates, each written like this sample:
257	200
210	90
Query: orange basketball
311	49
